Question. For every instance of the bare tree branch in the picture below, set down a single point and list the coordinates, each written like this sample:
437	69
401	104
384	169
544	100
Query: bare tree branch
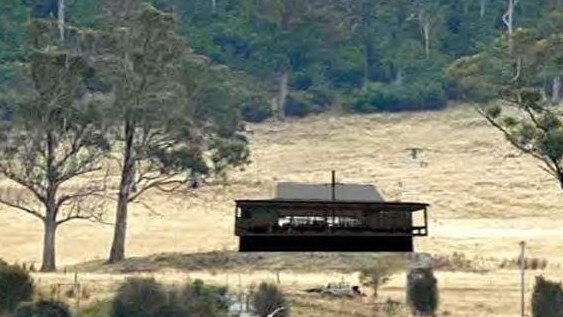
93	218
78	195
83	209
34	188
158	183
21	207
78	171
75	146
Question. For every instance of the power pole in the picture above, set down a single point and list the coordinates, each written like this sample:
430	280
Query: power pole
522	276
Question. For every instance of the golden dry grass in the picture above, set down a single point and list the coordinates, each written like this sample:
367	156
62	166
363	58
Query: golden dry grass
485	198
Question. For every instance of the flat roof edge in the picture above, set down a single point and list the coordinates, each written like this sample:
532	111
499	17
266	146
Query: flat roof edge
329	202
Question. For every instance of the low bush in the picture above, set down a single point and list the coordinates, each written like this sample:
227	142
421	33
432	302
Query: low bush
303	104
547	298
376	276
298	106
140	298
256	109
300	81
457	262
43	308
529	263
203	300
394	97
97	309
268	298
148	298
16	286
422	292
321	98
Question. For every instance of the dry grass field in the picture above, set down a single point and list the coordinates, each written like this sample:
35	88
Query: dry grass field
484	198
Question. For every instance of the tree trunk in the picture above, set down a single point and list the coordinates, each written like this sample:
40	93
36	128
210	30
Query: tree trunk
117	252
51	209
283	92
556	90
508	19
213	6
483	7
61	16
48	263
426	29
366	64
399	77
554	4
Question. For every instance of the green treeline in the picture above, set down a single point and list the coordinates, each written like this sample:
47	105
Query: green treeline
302	56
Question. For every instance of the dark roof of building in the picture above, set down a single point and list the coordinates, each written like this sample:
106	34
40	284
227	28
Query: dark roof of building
319	207
323	192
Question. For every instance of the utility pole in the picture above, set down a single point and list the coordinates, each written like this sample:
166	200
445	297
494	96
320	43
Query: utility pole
522	276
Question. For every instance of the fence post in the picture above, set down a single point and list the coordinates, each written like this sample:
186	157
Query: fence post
522	278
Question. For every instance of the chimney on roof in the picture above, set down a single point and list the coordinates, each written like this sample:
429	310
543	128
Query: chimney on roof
333	185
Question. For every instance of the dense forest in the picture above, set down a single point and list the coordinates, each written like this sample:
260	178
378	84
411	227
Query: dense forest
302	56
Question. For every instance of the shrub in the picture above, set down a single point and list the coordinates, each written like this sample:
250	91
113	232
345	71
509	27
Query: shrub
547	298
455	262
140	298
300	81
147	298
422	292
201	300
297	106
302	104
371	99
256	109
395	97
529	263
375	277
392	307
43	308
321	98
97	309
425	96
16	286
345	78
267	298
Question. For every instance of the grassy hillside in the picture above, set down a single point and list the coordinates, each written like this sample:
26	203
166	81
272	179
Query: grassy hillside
484	199
484	196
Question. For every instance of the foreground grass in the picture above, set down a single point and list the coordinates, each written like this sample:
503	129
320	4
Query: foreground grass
301	306
98	309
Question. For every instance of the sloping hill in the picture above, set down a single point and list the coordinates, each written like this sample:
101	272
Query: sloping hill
485	199
484	196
